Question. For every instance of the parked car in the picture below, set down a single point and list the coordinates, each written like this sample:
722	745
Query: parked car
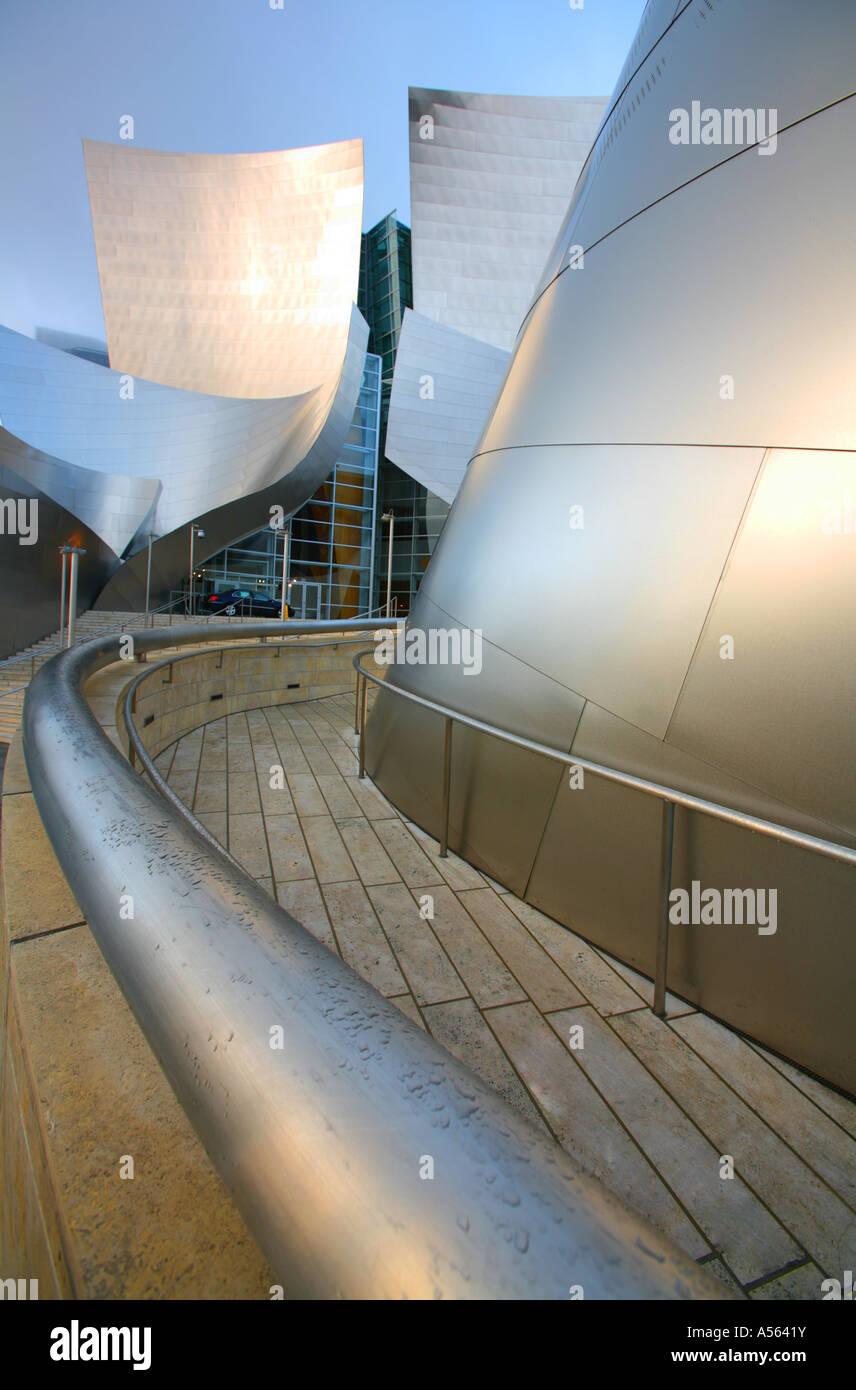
243	601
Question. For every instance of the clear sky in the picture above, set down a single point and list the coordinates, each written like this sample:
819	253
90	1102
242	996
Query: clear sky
229	75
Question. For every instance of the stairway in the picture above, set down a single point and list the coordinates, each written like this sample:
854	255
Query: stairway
17	671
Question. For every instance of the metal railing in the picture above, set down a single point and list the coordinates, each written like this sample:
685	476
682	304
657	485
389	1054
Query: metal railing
366	1160
670	796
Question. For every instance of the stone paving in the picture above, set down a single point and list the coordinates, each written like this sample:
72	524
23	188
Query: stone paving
651	1107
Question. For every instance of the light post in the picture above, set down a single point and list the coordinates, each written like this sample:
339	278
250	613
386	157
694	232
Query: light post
283	612
390	517
194	531
73	552
148	576
63	550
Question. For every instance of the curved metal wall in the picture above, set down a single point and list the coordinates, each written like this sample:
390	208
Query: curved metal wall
673	454
443	388
227	274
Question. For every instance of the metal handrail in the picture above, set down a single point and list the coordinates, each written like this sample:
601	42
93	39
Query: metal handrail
670	796
366	1160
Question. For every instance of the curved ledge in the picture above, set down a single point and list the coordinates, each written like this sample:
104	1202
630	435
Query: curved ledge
317	1101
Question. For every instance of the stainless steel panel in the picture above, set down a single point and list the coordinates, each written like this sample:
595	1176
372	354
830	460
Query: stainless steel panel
227	274
442	391
804	61
207	452
598	871
658	524
487	194
633	347
781	713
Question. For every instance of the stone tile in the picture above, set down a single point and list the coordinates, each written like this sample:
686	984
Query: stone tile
584	1123
803	1284
243	792
411	862
330	859
794	1194
210	791
171	1233
675	1006
461	1029
719	1271
428	970
289	856
584	966
37	896
457	872
373	863
319	759
302	898
361	939
307	798
371	803
818	1140
15	779
248	843
266	882
838	1107
184	786
750	1240
487	979
339	800
407	1005
540	977
217	822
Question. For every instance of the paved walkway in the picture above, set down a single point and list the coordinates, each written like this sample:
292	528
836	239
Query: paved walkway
651	1107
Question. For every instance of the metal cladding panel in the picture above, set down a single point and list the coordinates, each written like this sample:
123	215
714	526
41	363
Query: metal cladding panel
207	451
228	274
443	388
631	587
633	162
781	713
638	345
598	871
490	178
295	476
113	507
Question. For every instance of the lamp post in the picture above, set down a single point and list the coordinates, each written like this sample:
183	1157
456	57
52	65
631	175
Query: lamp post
148	576
390	517
73	552
194	531
283	612
63	550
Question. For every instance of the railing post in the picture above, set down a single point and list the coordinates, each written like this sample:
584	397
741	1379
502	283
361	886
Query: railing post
363	729
357	706
662	967
447	788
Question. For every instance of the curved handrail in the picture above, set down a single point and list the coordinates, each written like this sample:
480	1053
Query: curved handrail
830	848
365	1159
670	796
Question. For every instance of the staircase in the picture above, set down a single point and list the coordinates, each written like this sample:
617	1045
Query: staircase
17	671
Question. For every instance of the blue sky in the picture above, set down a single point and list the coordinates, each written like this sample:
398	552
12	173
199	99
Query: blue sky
227	75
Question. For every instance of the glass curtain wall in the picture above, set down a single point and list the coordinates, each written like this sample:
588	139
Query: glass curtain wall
331	536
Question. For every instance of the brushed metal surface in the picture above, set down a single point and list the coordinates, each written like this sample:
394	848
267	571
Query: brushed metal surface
781	713
706	336
321	1141
227	274
672	64
487	194
657	527
634	346
443	388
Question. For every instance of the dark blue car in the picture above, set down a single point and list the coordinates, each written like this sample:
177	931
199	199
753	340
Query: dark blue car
244	602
